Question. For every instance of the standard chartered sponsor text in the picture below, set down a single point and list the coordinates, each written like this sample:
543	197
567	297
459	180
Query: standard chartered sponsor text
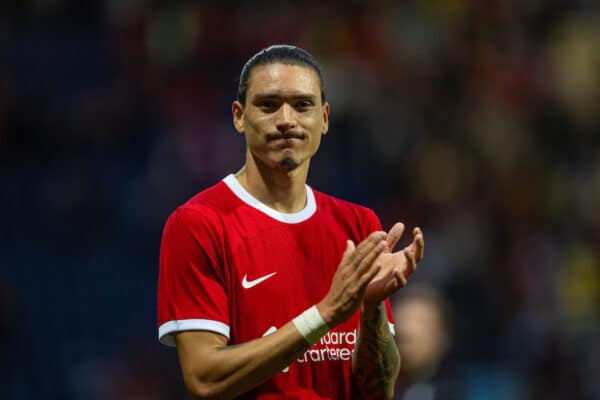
343	341
321	350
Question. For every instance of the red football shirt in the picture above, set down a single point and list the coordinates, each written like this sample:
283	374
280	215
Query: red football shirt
231	265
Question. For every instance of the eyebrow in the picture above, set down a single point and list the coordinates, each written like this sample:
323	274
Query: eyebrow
279	95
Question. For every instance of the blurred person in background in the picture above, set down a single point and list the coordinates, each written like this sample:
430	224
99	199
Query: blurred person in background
241	259
424	338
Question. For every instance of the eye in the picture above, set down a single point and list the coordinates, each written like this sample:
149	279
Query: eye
303	105
267	105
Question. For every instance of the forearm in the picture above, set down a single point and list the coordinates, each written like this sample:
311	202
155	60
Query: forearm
220	371
375	362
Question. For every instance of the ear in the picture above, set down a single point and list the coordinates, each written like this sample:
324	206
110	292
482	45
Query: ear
237	111
325	118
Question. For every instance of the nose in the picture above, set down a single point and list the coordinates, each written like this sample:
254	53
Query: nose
286	118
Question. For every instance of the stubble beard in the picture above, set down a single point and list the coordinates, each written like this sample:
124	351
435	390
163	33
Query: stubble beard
288	164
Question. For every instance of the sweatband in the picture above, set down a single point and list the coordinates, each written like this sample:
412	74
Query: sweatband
311	325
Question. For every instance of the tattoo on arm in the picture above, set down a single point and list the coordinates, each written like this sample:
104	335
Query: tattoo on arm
376	362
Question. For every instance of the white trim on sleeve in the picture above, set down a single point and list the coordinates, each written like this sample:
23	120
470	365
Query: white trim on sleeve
289	218
392	328
166	330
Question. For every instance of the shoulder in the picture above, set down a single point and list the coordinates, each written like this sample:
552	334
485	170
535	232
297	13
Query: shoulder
347	210
217	199
204	210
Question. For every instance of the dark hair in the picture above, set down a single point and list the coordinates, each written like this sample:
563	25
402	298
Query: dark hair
278	54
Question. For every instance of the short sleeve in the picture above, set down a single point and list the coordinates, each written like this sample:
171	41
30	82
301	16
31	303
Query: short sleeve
192	294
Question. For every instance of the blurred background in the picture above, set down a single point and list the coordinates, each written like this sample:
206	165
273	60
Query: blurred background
477	120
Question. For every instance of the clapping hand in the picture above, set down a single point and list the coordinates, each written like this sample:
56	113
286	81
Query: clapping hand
395	267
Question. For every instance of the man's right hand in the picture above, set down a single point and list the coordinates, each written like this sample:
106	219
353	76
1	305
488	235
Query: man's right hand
353	275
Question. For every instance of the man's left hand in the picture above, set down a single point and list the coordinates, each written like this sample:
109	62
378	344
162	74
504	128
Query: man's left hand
395	267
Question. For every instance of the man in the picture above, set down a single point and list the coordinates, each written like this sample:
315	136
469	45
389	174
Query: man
262	288
424	339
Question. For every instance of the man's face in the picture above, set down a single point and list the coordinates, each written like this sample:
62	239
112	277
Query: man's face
283	118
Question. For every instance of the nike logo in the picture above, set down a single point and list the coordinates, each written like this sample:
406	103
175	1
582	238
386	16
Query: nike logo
246	284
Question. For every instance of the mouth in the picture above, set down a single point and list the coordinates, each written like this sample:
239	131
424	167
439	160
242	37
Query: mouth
285	137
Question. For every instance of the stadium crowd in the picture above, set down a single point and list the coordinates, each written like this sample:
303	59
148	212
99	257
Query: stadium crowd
478	121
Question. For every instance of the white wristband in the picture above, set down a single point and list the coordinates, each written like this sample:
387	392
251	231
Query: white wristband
311	325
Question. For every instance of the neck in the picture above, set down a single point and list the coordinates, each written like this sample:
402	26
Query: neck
277	188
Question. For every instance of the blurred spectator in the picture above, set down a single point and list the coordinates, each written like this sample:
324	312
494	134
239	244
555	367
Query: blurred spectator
424	337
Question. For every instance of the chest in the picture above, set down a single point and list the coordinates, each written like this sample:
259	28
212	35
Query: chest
277	272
